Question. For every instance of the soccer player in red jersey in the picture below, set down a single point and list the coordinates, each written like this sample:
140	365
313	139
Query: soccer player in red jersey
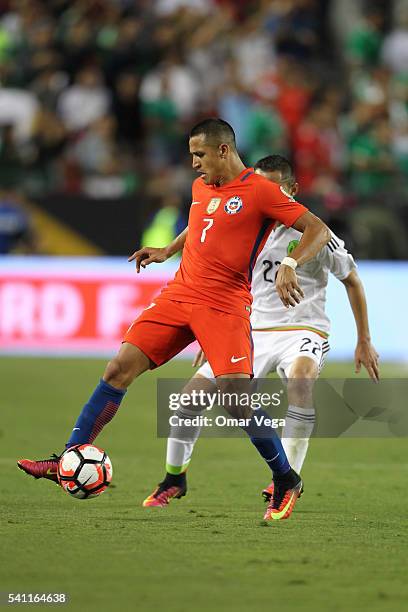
232	212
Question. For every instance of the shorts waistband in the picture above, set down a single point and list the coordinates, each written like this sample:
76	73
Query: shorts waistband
319	332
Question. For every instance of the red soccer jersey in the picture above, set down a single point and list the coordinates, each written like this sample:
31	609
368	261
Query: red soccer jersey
227	229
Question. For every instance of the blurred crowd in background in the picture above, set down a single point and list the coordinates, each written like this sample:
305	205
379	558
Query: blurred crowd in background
97	98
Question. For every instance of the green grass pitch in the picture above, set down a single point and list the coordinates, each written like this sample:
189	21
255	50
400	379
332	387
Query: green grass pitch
344	548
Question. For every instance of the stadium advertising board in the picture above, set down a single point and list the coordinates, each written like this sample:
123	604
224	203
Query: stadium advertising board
71	306
82	306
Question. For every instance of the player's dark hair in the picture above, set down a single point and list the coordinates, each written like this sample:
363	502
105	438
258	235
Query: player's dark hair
216	131
277	163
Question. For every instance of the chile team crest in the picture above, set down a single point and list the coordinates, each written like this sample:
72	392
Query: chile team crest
233	205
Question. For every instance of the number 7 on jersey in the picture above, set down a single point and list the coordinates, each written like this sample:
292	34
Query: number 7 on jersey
210	223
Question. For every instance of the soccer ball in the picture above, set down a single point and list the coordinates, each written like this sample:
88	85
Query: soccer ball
84	471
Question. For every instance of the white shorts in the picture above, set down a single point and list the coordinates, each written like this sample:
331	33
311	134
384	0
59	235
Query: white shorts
275	351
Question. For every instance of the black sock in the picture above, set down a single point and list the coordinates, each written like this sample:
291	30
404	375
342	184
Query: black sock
175	480
290	479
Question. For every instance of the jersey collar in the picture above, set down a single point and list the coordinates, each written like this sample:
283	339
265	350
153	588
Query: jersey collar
242	176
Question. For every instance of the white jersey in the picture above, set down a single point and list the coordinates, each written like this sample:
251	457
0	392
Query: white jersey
268	312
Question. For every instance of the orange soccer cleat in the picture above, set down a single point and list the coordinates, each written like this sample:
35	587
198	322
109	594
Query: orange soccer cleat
45	468
268	492
161	497
284	496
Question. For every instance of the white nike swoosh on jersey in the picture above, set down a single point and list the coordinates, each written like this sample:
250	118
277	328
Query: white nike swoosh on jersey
236	359
192	203
76	429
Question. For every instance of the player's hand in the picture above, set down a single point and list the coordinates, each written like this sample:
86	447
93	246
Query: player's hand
147	255
366	354
199	359
287	286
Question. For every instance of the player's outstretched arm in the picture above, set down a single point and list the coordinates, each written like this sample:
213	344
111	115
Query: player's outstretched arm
316	235
365	352
147	255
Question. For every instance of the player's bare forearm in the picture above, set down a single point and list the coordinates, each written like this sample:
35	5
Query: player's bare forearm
365	352
178	243
358	303
147	255
316	235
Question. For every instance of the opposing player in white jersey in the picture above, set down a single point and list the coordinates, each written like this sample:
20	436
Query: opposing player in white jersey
291	341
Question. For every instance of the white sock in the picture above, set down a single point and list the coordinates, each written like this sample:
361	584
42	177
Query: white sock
180	443
296	433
